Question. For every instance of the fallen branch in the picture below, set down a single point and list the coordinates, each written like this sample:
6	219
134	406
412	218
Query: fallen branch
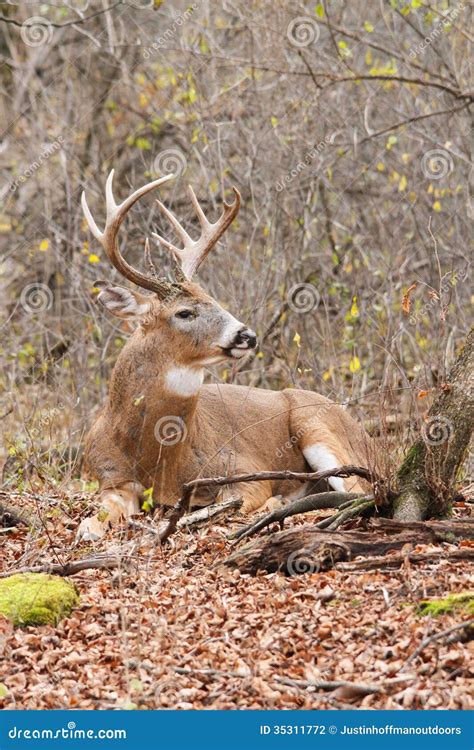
435	637
333	685
9	516
307	548
302	505
102	561
190	487
396	561
356	687
446	530
192	519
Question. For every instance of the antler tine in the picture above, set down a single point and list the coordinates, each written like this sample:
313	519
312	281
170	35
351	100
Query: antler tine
192	254
116	213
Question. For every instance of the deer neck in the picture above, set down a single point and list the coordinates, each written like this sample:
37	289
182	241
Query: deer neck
154	382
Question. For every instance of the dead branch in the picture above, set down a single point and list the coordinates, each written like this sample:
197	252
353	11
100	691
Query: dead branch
192	519
190	487
9	516
333	685
309	549
306	504
435	637
446	530
353	509
396	561
101	561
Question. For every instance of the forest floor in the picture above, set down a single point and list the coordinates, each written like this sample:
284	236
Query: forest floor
174	629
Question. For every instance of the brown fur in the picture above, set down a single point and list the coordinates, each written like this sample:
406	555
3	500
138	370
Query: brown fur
229	428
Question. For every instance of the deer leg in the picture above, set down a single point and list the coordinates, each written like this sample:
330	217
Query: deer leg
115	504
254	495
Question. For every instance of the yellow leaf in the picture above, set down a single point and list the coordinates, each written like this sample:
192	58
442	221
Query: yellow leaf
437	206
402	184
354	308
368	27
297	339
44	245
354	364
274	121
327	374
405	158
381	166
94	258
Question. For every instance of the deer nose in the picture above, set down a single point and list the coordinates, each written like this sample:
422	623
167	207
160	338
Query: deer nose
246	339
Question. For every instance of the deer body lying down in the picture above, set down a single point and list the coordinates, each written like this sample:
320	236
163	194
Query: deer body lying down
161	426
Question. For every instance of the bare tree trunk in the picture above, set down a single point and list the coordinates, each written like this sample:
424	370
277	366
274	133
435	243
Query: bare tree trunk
427	474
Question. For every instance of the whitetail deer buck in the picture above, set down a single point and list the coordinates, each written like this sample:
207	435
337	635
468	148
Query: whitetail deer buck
160	426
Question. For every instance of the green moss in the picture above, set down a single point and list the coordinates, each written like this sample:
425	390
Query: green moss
412	461
434	607
36	598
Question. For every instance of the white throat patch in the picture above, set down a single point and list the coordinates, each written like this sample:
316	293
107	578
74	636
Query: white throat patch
184	381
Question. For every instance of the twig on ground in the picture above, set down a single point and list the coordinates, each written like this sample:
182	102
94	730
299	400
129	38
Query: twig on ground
322	685
435	637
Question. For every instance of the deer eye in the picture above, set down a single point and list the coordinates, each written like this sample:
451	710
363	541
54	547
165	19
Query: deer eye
183	314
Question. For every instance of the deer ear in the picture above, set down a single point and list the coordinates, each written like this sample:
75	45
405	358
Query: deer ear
121	302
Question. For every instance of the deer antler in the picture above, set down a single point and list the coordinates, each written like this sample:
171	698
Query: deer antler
108	238
193	252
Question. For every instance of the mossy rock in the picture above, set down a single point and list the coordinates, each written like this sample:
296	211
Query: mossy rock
36	598
453	602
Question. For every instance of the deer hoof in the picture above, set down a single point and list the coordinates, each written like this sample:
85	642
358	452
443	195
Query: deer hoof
91	529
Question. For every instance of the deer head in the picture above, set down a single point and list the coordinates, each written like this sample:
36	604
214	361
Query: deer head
200	331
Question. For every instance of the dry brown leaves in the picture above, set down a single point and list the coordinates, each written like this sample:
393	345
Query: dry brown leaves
174	631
